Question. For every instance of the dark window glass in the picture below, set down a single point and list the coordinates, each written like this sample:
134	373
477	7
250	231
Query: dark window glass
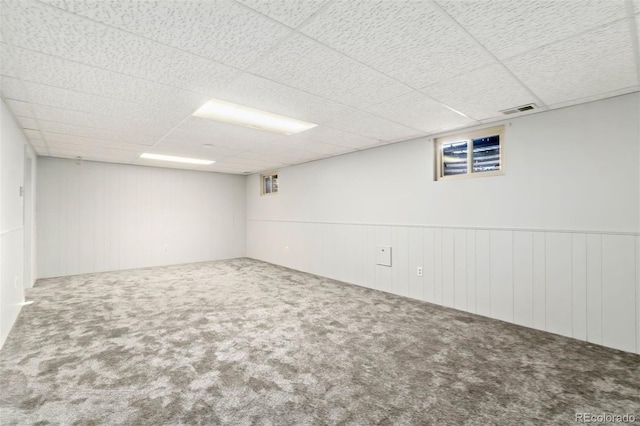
486	154
454	158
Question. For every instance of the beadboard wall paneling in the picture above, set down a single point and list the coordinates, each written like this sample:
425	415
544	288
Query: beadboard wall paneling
570	283
17	227
102	217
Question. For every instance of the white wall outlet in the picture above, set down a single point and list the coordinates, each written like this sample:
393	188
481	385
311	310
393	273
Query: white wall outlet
166	247
286	249
16	280
419	271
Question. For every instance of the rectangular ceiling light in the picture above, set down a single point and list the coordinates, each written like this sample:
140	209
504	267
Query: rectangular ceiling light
175	159
231	113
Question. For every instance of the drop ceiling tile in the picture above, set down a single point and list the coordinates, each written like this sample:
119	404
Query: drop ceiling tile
407	40
14	89
180	148
82	149
290	154
338	137
40	150
510	28
68	99
112	134
41	28
480	94
196	130
52	71
238	35
419	112
592	98
321	147
92	142
55	120
28	123
309	66
6	61
108	157
369	125
596	62
289	12
37	143
263	161
261	93
33	134
20	108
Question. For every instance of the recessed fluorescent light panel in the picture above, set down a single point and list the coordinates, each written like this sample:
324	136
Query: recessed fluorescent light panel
175	159
231	113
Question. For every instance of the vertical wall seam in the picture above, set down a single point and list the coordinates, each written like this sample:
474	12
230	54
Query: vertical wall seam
490	275
545	279
601	299
573	333
513	278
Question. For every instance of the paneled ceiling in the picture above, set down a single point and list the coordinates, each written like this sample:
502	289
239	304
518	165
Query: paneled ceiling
108	80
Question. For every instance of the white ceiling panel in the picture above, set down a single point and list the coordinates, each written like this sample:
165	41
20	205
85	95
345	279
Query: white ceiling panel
28	123
181	148
419	112
92	142
113	134
261	93
408	40
49	116
197	130
6	66
81	149
69	99
123	157
52	71
33	134
319	147
369	125
595	62
221	30
40	150
98	77
480	94
290	12
338	137
41	28
508	28
37	143
309	66
14	89
20	108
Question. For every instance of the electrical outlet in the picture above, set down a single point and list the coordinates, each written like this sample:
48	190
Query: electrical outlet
286	249
15	282
166	247
419	271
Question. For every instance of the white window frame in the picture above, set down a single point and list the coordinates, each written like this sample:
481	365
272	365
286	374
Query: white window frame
469	137
263	185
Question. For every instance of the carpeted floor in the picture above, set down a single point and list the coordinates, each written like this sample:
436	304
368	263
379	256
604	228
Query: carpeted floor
243	342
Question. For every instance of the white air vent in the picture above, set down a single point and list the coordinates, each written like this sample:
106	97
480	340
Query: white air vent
522	108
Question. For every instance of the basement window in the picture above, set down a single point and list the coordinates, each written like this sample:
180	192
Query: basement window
269	183
477	153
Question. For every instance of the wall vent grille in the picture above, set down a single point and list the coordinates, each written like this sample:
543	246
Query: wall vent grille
522	108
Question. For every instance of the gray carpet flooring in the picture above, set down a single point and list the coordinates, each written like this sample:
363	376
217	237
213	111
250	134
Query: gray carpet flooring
243	342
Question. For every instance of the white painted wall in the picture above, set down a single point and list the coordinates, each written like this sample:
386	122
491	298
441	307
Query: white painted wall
553	244
100	216
13	148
